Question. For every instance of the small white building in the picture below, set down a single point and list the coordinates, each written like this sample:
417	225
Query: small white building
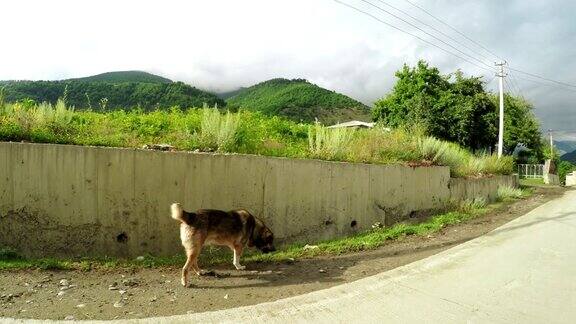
353	123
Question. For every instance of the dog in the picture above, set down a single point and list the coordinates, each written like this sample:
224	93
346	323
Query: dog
234	229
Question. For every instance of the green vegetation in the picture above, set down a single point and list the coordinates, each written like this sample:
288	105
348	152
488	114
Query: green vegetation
230	94
536	182
371	239
564	167
457	109
217	132
332	144
105	96
124	76
243	132
506	193
298	100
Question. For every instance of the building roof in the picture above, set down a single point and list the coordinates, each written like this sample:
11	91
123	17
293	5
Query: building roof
353	123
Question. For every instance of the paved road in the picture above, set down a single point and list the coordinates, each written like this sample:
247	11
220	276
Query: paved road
522	272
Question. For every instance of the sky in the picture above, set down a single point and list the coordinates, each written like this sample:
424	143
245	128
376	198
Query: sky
220	45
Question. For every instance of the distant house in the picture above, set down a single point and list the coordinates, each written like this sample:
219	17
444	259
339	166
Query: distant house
353	123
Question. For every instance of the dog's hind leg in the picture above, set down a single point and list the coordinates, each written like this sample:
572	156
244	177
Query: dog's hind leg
186	268
237	249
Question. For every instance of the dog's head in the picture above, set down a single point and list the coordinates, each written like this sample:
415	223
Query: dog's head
262	237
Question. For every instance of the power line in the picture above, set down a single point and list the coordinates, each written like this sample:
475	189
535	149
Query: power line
543	78
433	28
408	33
515	85
425	32
493	78
454	29
508	86
546	84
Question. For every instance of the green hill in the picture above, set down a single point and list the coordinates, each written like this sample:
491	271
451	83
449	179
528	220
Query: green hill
113	90
570	157
124	76
565	146
229	94
299	100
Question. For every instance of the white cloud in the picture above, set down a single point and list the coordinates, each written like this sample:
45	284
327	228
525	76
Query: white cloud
223	44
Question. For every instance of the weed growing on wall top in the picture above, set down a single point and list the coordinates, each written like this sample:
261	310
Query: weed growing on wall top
329	144
217	131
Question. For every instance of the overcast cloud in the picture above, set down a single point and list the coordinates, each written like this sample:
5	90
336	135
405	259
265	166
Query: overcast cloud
220	45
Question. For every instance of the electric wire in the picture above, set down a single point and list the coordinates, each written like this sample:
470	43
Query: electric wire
546	84
543	78
425	32
434	28
409	33
454	29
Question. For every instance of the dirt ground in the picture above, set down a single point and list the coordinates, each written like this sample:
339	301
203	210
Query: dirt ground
116	294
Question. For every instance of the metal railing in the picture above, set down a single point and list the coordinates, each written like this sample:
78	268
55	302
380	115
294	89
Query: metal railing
531	171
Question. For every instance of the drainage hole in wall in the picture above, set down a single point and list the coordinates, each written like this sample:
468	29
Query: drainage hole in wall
353	223
122	238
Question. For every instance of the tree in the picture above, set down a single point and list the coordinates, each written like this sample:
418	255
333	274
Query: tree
456	108
564	167
118	95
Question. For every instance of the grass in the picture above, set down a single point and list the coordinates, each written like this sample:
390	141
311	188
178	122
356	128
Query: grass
368	240
217	132
531	182
209	130
507	192
331	144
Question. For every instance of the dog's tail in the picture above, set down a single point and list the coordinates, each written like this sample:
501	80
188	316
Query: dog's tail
177	212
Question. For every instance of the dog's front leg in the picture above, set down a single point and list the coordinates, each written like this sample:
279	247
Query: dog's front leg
237	254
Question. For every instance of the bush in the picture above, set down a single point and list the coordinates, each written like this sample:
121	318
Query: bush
508	192
329	144
217	132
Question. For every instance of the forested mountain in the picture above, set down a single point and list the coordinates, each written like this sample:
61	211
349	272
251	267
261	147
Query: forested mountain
570	157
113	90
299	100
124	76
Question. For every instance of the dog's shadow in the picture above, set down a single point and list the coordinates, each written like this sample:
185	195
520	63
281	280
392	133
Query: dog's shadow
335	269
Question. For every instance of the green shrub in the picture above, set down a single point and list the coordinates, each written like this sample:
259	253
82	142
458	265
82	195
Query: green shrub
508	192
329	143
217	131
473	205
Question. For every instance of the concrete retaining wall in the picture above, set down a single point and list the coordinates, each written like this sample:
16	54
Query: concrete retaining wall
89	201
462	189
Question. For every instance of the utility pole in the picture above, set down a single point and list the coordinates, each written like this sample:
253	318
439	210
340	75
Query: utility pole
551	145
501	75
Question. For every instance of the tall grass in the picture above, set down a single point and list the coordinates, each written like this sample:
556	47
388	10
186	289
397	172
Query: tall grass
329	144
508	192
208	129
461	161
217	131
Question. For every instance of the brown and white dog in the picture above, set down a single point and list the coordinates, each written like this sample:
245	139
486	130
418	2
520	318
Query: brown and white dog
234	229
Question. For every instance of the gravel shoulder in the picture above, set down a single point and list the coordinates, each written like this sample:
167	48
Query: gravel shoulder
121	293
